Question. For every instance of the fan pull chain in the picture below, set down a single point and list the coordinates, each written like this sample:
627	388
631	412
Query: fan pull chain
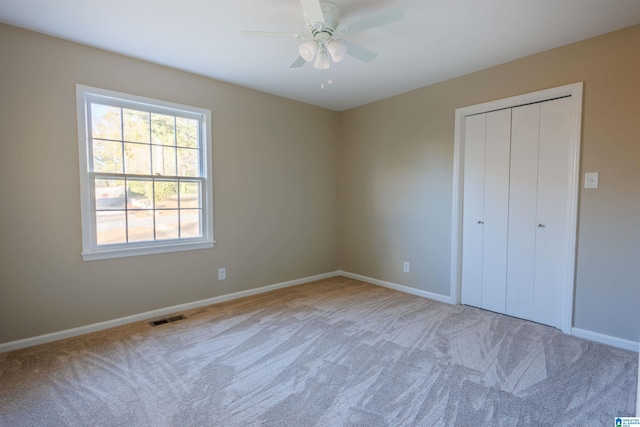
330	80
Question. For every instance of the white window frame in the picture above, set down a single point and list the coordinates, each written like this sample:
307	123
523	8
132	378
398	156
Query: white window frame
90	249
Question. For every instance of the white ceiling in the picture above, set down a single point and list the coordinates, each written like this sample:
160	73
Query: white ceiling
438	40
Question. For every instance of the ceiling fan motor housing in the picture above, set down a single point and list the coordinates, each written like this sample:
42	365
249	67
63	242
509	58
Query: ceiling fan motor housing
323	32
331	12
323	38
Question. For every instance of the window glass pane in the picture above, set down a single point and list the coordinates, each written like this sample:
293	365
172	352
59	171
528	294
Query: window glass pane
107	156
137	159
167	224
140	226
110	227
190	223
163	129
109	194
105	122
188	162
139	194
189	194
166	194
136	126
164	160
187	132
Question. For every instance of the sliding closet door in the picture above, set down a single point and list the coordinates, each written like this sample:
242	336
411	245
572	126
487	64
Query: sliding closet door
552	236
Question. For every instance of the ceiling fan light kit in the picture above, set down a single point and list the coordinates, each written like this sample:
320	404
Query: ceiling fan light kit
323	48
308	50
322	19
337	49
322	60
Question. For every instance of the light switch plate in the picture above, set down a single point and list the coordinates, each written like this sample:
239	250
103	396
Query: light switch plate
591	180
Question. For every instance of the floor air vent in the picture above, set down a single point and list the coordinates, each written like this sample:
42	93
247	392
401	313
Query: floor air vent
167	320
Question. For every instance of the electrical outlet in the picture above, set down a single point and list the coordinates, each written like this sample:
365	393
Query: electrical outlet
406	267
222	273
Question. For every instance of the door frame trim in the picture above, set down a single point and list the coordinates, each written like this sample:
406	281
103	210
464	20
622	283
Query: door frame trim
574	91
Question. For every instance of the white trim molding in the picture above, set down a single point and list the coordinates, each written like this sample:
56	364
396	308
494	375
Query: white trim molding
149	315
571	90
395	286
606	339
580	333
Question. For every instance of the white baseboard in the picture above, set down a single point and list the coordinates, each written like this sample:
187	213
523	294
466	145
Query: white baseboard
68	333
401	288
580	333
605	339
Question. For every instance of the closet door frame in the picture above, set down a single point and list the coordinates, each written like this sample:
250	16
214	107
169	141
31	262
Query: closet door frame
575	92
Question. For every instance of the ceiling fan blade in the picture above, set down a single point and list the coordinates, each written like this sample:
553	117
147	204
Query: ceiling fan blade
359	52
379	19
313	11
273	34
298	62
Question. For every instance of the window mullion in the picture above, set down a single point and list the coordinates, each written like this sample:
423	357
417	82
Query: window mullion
153	186
123	170
126	208
150	145
202	151
178	171
122	159
175	143
89	136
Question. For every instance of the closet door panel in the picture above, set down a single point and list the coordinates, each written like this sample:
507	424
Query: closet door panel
473	207
496	210
552	245
522	211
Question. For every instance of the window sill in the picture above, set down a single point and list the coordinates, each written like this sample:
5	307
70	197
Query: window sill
144	250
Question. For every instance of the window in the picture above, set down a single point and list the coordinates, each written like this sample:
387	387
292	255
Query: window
145	175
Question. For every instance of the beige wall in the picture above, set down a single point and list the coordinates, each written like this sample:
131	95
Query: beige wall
275	191
289	177
396	160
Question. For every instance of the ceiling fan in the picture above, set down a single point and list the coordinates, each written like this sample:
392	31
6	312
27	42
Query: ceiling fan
322	19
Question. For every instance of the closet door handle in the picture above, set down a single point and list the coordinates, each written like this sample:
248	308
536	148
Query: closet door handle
541	226
480	222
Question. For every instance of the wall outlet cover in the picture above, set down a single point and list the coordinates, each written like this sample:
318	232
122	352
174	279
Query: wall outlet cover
591	179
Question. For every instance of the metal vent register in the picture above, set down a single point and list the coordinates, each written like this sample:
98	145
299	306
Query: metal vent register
167	320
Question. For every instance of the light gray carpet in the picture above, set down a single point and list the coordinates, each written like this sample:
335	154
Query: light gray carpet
329	353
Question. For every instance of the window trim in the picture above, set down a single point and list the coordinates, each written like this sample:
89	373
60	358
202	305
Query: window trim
90	249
